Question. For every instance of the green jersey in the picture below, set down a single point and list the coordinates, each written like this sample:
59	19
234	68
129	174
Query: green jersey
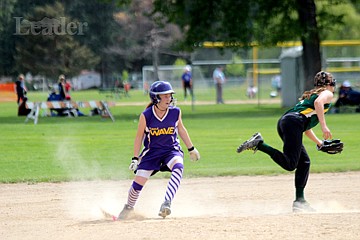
307	108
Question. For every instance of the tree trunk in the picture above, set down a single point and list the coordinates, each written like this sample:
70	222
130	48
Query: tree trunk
310	40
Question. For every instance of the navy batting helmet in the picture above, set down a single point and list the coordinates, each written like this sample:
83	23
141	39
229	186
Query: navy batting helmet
157	88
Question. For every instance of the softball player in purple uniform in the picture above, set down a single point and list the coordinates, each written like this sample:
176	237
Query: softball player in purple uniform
187	81
305	115
158	128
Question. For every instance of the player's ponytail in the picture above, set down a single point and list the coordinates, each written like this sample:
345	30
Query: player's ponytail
308	94
149	105
321	80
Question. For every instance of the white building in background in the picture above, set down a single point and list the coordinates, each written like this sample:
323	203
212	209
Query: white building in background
86	80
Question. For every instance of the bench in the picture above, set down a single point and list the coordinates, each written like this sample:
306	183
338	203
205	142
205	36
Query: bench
68	107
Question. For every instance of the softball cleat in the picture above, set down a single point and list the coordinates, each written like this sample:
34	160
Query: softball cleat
251	144
302	207
165	209
126	213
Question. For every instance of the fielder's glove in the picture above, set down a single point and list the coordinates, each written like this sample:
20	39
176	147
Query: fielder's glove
134	164
194	154
331	146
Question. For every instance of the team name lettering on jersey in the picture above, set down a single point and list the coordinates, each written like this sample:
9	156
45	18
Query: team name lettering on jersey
161	131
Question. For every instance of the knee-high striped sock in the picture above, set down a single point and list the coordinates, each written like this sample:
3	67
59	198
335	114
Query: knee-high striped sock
174	182
134	193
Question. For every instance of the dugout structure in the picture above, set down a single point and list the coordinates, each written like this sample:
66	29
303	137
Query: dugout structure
291	64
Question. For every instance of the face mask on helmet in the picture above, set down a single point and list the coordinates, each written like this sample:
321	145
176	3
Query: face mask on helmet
324	78
157	88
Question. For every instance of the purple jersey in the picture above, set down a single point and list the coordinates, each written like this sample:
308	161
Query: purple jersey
186	77
161	143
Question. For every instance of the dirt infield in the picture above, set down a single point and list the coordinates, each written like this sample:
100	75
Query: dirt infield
243	207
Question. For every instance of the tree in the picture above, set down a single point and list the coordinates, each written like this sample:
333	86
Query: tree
262	21
236	69
144	36
356	5
101	33
6	8
46	44
310	40
350	29
6	60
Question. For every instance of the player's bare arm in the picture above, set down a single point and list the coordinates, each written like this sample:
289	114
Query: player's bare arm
183	133
139	135
311	135
324	98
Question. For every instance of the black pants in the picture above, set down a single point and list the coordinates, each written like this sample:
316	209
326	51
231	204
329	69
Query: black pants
342	101
20	97
294	156
186	86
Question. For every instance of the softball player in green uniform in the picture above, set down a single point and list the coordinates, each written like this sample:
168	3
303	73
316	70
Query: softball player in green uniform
305	115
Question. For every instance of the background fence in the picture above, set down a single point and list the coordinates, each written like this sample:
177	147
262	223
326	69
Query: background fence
258	68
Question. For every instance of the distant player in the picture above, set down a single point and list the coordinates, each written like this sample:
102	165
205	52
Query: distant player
187	83
305	115
159	125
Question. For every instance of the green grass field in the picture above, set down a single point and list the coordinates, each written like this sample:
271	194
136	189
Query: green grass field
90	148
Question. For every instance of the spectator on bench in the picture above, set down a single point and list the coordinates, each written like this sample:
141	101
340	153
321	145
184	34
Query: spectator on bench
61	85
22	110
67	89
63	96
